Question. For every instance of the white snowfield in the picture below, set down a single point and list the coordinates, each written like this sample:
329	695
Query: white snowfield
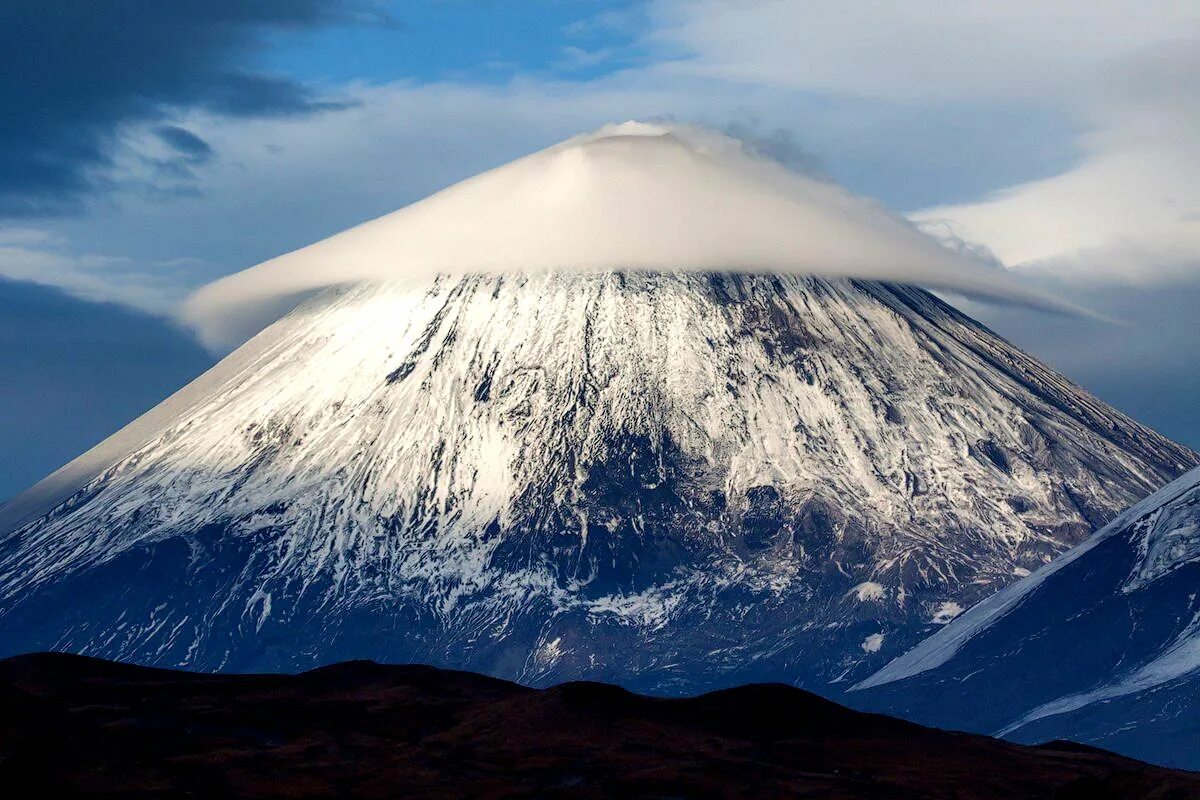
627	197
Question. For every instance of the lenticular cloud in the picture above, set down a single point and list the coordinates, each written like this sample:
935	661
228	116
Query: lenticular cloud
631	197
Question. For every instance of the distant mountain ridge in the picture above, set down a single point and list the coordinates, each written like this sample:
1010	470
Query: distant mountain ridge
672	481
1103	645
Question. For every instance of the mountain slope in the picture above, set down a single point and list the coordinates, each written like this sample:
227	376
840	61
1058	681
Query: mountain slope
78	727
1102	646
667	480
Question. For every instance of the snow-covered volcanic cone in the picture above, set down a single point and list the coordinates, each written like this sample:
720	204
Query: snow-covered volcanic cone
666	478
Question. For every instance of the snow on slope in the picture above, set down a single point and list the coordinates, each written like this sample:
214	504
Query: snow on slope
68	479
671	480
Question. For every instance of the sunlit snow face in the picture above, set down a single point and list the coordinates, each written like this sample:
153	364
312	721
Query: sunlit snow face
627	197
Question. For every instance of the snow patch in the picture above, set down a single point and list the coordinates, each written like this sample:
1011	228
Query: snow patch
868	591
872	643
648	609
946	612
1168	539
550	652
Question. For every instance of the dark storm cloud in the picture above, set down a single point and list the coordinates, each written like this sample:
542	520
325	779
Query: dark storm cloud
71	71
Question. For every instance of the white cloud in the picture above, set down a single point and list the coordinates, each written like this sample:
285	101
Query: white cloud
1129	211
1126	214
1127	72
631	196
580	58
280	184
40	256
920	49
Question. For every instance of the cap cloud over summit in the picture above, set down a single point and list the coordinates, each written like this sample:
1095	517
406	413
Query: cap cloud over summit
631	196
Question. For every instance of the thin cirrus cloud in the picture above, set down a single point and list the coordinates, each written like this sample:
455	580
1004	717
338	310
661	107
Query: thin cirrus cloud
631	196
923	50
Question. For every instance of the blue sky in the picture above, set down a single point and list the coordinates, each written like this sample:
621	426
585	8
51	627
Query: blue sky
155	147
478	41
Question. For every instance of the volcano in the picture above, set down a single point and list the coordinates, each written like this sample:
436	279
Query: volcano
673	480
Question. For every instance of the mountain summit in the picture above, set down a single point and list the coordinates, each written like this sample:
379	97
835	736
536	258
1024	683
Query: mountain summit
670	480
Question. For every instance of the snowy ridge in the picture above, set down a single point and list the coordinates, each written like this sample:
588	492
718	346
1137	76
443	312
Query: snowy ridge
671	480
1122	610
71	477
1165	530
943	645
1180	660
